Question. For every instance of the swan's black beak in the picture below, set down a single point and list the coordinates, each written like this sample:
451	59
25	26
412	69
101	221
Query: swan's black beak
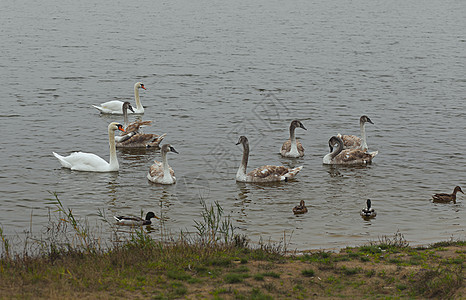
173	150
131	108
370	121
302	126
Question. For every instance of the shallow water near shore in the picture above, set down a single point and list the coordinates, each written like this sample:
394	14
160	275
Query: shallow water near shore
215	72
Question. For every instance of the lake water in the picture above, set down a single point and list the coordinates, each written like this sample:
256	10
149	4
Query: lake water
217	70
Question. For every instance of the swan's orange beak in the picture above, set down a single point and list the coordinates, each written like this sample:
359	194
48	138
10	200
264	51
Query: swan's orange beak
121	128
142	86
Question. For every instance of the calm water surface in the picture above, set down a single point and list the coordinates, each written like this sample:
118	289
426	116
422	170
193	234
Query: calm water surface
215	71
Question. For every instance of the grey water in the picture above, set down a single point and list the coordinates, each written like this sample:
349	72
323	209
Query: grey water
215	70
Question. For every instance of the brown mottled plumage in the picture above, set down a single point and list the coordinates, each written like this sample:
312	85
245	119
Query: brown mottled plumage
133	137
287	150
339	156
136	125
446	198
161	172
300	209
266	173
353	141
142	140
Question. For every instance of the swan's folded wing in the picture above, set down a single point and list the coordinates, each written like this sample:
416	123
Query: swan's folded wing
141	140
355	156
286	147
122	138
135	126
351	141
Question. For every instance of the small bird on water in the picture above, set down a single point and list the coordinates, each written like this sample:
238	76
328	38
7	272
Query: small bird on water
135	221
300	209
368	212
446	198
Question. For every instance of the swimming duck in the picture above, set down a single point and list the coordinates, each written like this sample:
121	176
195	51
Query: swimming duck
90	162
116	106
368	212
265	173
338	156
445	198
355	142
161	172
133	137
293	147
300	209
135	221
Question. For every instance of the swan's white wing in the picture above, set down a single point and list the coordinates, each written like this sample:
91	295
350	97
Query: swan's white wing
81	161
114	105
111	107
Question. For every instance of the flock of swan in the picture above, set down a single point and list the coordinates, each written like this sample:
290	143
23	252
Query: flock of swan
344	150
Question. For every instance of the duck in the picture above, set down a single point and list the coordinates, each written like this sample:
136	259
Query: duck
446	198
133	137
81	161
300	209
265	173
368	212
116	106
135	221
293	147
355	142
338	156
161	172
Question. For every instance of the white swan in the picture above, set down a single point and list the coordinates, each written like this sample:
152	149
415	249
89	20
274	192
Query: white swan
161	172
338	156
355	142
116	106
80	161
293	147
265	173
133	137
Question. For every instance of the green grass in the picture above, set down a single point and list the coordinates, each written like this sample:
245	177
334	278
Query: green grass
271	274
308	272
235	277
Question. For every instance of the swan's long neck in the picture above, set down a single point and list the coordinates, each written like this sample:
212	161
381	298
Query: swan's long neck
338	149
165	166
136	97
113	156
362	125
294	146
125	118
244	162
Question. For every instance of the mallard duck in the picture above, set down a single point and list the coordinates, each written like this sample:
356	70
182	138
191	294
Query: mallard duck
265	173
446	198
116	106
161	172
300	209
368	212
355	142
293	147
135	221
338	156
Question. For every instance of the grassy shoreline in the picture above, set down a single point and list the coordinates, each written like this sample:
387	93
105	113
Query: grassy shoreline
215	263
144	268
